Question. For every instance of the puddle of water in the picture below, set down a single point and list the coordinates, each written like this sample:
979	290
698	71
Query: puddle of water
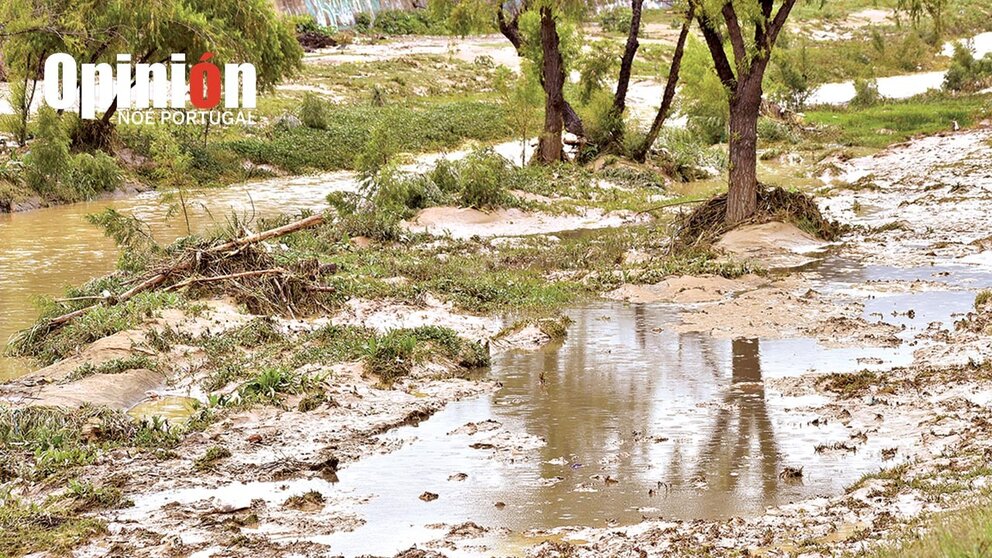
173	408
683	423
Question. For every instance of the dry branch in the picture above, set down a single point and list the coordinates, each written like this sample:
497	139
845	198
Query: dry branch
190	259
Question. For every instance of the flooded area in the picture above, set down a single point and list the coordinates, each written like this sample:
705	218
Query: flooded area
627	420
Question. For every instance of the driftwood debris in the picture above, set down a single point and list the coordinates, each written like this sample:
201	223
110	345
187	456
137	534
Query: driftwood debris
191	259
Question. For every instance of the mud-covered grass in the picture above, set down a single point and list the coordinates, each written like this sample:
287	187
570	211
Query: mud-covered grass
42	442
895	121
50	346
962	534
26	528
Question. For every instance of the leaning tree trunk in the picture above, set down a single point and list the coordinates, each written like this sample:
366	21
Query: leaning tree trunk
742	193
549	148
626	63
666	100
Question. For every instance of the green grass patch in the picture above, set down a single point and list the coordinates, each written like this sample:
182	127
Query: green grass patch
415	128
893	122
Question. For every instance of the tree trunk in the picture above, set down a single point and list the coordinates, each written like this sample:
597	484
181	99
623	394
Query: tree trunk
745	106
626	63
511	30
666	100
553	78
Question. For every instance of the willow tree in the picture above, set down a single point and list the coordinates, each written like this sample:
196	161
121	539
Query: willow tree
751	28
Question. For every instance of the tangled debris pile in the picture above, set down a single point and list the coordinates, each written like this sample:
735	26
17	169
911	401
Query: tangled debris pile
707	223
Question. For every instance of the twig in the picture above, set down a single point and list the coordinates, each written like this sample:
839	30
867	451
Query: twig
664	205
186	263
242	275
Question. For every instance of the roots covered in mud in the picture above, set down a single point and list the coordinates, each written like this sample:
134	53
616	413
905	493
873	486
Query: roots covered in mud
707	222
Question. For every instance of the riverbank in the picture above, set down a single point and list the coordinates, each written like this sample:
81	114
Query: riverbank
293	421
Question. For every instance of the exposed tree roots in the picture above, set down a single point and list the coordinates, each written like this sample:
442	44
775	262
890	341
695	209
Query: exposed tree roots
707	223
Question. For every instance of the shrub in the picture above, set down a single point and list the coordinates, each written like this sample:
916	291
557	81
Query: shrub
865	93
775	130
703	98
966	72
685	158
596	67
793	77
600	120
484	175
313	112
97	172
48	163
404	22
616	20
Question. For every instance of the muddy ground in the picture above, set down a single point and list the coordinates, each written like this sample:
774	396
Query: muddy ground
927	419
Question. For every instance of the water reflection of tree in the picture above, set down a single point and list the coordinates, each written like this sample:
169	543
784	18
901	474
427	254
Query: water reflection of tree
741	439
612	378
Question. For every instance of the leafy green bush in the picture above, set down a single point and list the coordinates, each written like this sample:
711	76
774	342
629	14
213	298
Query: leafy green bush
865	93
596	68
772	130
484	175
48	163
684	157
313	111
616	20
405	22
703	99
97	172
966	72
793	78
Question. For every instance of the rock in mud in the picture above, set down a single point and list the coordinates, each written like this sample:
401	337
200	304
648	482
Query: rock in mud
428	496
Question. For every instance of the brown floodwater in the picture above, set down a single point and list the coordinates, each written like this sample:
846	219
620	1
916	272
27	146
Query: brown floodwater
45	250
683	423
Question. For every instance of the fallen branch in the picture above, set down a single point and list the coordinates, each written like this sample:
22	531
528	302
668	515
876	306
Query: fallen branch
242	275
189	259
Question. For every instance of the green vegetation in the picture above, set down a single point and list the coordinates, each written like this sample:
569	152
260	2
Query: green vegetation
894	121
42	442
963	534
49	347
394	354
982	299
615	20
441	17
211	457
28	528
115	366
966	73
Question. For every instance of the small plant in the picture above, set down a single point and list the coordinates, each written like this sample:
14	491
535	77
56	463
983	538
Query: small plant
270	383
212	456
865	93
983	298
308	501
484	174
966	72
313	111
